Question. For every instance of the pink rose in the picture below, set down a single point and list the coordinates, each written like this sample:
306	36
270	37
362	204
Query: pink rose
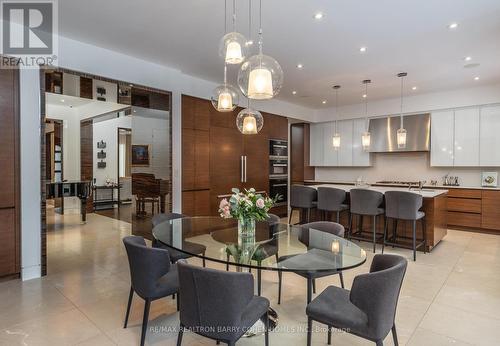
224	203
260	203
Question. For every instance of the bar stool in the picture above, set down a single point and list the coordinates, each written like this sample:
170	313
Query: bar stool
365	202
402	205
331	199
302	198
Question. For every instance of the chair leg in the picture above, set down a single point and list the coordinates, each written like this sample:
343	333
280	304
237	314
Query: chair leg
308	215
329	341
394	231
374	234
314	285
338	216
280	279
414	226
309	331
128	306
259	280
424	234
309	290
341	276
145	317
179	336
290	217
379	343
227	262
178	301
395	335
385	234
266	326
349	227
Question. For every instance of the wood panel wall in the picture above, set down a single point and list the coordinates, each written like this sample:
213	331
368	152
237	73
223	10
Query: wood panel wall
211	150
299	157
9	161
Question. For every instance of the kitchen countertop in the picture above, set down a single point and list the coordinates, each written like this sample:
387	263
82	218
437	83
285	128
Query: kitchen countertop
426	193
405	186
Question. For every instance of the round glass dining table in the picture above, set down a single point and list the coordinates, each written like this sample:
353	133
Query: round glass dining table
277	247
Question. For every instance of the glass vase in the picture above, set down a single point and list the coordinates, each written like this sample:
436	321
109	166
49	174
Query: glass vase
246	227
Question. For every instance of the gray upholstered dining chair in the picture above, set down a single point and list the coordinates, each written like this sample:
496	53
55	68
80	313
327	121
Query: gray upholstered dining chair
321	226
405	206
219	305
331	199
369	309
152	276
302	198
365	202
189	247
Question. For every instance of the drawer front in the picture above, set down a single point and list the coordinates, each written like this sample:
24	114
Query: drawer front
464	219
8	253
466	205
464	193
491	210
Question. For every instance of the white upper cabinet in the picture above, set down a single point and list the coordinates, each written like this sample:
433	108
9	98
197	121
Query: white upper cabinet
360	157
330	157
345	150
466	142
442	133
489	155
316	154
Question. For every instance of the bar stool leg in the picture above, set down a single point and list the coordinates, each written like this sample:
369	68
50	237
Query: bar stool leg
338	216
290	217
308	215
394	231
414	240
424	233
386	221
374	233
349	227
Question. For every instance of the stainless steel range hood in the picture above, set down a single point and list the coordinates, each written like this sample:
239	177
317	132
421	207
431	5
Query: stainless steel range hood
383	133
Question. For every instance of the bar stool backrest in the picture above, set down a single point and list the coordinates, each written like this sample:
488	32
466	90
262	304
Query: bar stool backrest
365	202
402	205
330	198
302	196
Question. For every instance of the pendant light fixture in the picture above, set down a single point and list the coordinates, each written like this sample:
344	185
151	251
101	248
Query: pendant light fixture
261	76
249	121
232	46
401	134
366	136
225	97
336	135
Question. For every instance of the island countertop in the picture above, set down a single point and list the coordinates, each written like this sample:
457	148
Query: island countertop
425	192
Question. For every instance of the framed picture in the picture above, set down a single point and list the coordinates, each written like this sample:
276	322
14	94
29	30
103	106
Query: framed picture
140	155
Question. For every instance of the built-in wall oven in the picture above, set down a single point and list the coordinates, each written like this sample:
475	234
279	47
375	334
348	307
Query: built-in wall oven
278	169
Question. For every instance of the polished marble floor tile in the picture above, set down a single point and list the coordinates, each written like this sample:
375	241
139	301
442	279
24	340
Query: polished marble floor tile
450	296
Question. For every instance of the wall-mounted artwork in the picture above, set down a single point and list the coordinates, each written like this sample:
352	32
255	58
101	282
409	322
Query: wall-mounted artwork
101	164
101	154
101	145
140	155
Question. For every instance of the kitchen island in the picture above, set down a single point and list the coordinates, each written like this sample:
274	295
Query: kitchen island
434	206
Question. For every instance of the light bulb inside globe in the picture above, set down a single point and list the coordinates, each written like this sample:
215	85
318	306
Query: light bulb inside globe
336	141
233	53
225	102
401	136
249	125
249	121
260	84
366	141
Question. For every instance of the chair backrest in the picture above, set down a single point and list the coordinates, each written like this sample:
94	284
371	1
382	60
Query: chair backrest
322	226
365	202
146	264
159	218
302	196
330	198
377	292
402	204
211	298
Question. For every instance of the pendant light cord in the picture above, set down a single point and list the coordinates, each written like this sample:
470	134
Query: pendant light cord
260	27
225	17
234	15
336	108
401	114
366	106
249	20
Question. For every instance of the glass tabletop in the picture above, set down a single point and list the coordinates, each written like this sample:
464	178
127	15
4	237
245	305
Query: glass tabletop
278	247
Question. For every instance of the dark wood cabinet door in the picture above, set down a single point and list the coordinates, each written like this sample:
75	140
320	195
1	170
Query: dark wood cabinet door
202	160
276	126
202	114
9	250
256	150
8	137
187	109
226	149
188	158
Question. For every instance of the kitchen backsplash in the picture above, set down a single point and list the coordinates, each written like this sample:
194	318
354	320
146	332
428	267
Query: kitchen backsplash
412	166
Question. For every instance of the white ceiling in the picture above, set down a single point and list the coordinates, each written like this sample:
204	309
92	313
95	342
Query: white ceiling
401	35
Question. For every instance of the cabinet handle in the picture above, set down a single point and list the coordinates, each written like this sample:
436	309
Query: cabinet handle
242	164
245	168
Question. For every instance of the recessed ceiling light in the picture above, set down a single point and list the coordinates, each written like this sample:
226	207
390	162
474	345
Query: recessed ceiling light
363	49
452	26
414	88
364	96
299	66
294	92
249	42
468	58
62	100
476	78
323	102
318	15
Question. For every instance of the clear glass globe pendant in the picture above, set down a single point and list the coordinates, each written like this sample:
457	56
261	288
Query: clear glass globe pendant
261	76
249	121
233	48
225	97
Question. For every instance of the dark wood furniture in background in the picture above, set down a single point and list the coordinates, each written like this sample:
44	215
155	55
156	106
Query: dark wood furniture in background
104	196
147	188
299	154
10	205
60	190
212	148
